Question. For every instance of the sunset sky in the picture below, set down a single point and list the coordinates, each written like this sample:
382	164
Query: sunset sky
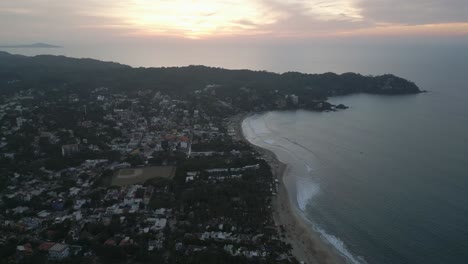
62	21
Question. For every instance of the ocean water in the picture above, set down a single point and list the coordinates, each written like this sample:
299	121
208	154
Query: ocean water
382	181
385	181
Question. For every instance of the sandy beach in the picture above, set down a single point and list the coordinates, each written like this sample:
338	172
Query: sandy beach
307	246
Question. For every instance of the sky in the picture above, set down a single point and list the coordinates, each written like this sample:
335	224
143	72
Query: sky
86	21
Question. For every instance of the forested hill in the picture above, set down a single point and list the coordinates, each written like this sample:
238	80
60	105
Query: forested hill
45	72
21	63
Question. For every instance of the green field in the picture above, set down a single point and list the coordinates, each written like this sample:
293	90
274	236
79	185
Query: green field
125	177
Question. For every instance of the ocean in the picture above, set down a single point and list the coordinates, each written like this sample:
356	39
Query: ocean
385	181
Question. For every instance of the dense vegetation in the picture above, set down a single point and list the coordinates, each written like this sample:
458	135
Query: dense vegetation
56	71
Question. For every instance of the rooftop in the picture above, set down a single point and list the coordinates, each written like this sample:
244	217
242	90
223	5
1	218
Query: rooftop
58	248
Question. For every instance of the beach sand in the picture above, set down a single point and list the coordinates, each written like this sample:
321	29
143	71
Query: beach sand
307	246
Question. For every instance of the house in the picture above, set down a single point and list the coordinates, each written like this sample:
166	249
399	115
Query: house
59	252
157	223
45	246
68	150
43	214
294	99
110	242
20	209
189	178
24	250
30	223
126	242
160	212
58	205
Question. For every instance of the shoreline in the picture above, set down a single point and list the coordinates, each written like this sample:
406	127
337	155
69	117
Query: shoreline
307	245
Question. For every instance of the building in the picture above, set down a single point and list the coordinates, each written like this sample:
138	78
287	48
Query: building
294	99
158	223
59	252
45	246
22	251
68	150
20	122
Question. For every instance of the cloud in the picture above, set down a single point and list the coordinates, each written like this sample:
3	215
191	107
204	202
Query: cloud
373	17
415	11
300	18
440	29
188	18
56	20
107	19
245	23
17	11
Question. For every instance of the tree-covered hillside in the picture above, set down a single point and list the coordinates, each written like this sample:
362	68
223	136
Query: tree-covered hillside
244	89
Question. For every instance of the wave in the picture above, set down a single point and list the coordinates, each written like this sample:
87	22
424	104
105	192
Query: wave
306	190
339	245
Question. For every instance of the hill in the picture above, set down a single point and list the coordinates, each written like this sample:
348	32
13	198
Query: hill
244	89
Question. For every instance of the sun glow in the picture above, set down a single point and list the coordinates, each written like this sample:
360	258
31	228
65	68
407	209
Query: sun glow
203	18
200	19
196	18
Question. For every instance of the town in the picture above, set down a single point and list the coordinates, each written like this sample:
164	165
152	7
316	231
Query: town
137	177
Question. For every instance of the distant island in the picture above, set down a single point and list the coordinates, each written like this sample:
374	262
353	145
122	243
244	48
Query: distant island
35	45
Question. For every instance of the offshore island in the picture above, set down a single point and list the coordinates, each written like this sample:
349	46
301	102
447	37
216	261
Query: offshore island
30	46
105	163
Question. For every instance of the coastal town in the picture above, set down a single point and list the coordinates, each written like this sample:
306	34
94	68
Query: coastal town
233	132
104	163
133	178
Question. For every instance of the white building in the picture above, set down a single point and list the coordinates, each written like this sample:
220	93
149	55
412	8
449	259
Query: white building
59	252
295	99
158	223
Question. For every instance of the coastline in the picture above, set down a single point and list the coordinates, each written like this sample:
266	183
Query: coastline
307	245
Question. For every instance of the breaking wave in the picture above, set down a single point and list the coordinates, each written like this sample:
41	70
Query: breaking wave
306	190
339	245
